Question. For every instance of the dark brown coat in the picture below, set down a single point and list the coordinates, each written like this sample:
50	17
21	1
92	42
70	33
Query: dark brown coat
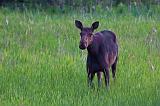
102	50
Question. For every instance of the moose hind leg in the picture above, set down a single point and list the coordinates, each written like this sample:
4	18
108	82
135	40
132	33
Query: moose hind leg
106	76
99	76
114	69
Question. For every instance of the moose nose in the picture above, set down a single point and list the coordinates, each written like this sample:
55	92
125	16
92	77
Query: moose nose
82	45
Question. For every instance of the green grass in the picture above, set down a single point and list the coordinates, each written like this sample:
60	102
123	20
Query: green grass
41	64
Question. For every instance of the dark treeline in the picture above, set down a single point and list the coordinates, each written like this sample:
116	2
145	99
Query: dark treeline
86	5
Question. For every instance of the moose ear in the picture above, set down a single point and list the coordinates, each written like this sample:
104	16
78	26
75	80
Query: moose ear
95	25
78	24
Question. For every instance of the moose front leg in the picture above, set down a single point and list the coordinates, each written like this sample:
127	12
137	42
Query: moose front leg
90	78
99	76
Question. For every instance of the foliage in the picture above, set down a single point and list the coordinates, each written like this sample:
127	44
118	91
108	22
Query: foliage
86	4
41	63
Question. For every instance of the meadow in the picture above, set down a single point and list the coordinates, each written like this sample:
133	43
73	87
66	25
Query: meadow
41	63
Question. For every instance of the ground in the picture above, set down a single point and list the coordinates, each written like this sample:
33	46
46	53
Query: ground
41	63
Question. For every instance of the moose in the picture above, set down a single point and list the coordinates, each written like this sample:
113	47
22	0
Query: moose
102	50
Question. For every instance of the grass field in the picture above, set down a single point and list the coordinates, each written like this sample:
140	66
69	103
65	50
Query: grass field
41	64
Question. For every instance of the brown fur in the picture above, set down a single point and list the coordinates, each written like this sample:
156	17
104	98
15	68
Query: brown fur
102	50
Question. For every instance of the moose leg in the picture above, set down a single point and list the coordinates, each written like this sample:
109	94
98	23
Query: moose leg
106	76
99	76
114	69
90	78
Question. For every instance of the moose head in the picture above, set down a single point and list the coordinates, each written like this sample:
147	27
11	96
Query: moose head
86	33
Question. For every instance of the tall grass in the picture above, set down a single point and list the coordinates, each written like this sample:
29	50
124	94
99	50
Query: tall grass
41	64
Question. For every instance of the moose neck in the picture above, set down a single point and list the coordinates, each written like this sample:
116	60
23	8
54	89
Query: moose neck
93	47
